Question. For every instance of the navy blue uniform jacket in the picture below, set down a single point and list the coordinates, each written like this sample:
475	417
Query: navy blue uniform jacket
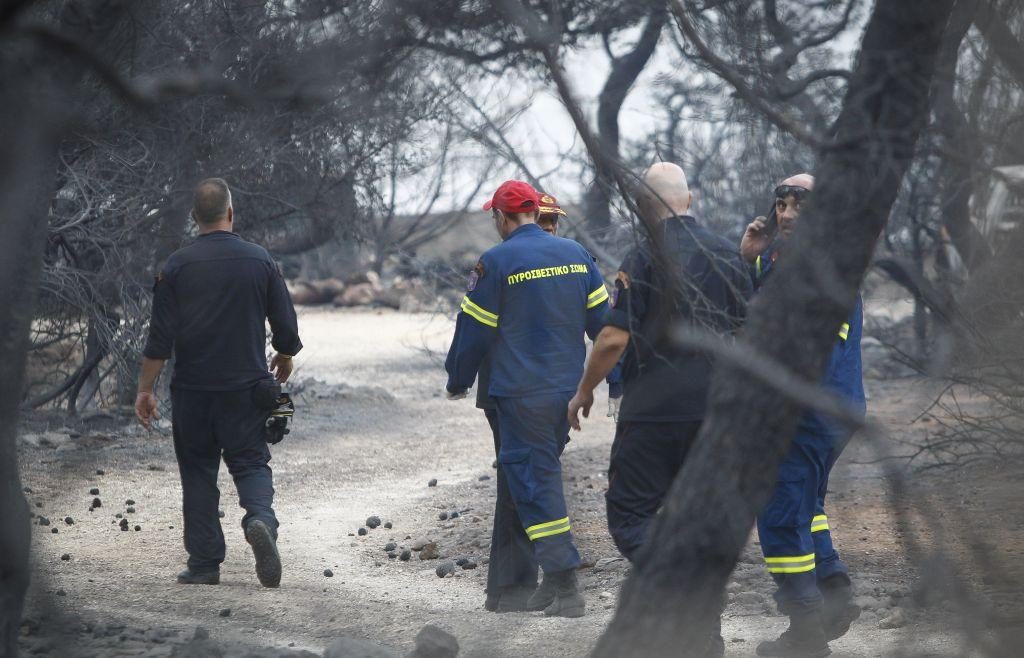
531	298
211	303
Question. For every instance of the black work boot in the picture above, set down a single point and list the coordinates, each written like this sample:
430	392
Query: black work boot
264	549
568	600
838	610
491	602
543	596
189	577
515	599
805	638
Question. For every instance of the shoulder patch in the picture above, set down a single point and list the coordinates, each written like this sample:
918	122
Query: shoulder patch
475	276
622	282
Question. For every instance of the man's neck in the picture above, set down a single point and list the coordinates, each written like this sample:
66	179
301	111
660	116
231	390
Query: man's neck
213	228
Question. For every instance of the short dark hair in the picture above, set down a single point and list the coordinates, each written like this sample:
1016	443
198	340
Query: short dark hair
211	201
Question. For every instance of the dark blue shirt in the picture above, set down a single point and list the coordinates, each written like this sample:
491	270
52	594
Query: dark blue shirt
843	374
211	302
663	382
531	299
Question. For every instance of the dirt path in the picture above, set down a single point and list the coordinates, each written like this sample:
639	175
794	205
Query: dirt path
369	446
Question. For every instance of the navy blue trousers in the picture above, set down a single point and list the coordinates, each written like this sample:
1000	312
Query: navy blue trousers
512	563
645	459
793	528
207	426
533	434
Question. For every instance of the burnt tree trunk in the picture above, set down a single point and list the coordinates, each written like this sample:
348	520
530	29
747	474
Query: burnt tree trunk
624	73
675	590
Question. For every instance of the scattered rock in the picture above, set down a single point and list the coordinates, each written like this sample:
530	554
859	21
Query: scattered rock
220	514
453	515
469	564
226	612
99	471
96	502
392	555
387	524
430	551
154	467
130	510
405	555
124	525
350	647
361	532
68	520
66	557
138	528
54	531
373	522
419	544
129	502
898	619
27	490
328	573
390	547
446	568
484	478
432	483
443	516
44	521
61	592
118	515
432	642
94	491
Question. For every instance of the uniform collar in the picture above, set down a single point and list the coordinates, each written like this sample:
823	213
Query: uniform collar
221	233
525	229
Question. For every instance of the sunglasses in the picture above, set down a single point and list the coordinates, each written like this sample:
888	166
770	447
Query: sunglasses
783	191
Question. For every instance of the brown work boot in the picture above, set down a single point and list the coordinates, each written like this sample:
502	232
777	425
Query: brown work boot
805	638
568	601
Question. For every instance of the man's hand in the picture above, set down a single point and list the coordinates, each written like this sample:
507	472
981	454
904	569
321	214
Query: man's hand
281	366
755	239
456	395
581	401
613	407
145	408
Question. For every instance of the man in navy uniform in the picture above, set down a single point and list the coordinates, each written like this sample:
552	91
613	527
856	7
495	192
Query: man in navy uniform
512	569
530	300
211	303
814	588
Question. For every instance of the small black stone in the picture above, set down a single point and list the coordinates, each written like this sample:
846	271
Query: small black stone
328	573
406	554
226	612
54	530
99	471
432	483
387	524
373	522
124	525
130	510
118	515
38	504
44	521
137	528
94	491
484	478
392	555
129	502
66	557
220	513
390	547
61	592
27	489
470	564
68	520
454	515
494	464
443	516
96	502
361	532
461	561
444	569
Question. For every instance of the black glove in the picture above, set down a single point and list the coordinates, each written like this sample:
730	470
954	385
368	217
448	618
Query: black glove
277	424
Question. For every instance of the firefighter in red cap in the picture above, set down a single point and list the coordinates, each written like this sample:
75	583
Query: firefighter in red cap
529	302
512	570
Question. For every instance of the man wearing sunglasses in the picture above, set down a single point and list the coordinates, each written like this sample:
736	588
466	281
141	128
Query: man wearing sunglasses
529	303
814	587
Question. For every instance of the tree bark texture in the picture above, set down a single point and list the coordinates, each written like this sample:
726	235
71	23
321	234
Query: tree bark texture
675	590
624	73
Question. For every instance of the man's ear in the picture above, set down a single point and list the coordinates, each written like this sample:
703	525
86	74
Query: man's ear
231	215
689	202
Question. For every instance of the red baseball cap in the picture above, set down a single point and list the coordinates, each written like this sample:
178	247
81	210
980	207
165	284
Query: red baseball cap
514	196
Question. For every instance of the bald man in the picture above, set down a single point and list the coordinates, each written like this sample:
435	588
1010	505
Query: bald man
665	388
814	587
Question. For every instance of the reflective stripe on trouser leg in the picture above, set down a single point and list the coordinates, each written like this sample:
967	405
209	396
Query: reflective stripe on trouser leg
819	523
533	431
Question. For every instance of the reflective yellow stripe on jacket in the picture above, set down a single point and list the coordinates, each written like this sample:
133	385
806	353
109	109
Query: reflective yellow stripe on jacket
596	297
478	313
